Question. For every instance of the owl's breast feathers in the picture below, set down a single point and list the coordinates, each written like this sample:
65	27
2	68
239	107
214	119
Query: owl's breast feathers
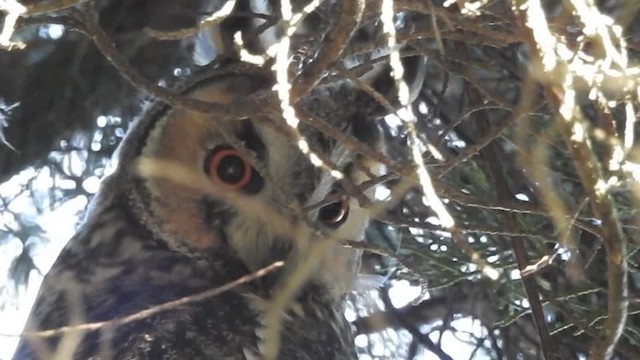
107	273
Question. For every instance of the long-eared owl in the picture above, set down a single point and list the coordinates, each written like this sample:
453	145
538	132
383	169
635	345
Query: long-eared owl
201	199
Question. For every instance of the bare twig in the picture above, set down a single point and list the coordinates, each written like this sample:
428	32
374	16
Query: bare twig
156	309
561	94
350	12
212	20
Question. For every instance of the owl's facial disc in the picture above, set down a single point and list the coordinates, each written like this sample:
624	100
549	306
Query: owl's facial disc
252	186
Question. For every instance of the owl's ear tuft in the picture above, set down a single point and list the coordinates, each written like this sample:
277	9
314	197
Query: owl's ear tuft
382	81
345	100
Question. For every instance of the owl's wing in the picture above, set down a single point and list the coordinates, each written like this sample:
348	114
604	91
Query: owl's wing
80	291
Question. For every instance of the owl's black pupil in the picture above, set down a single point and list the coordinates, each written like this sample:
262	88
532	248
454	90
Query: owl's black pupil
231	169
329	212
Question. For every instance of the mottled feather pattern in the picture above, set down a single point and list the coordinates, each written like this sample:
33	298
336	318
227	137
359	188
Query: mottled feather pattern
220	327
142	273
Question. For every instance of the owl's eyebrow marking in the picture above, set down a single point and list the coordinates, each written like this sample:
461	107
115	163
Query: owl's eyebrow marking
248	134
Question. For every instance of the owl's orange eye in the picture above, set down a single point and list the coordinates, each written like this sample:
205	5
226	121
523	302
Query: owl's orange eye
335	214
226	166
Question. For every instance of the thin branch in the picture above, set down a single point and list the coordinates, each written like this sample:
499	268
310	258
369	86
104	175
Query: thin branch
212	20
239	107
349	12
155	309
572	125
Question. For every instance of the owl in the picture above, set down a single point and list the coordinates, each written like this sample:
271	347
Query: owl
199	200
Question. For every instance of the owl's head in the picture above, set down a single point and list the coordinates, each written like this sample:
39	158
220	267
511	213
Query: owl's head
208	182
